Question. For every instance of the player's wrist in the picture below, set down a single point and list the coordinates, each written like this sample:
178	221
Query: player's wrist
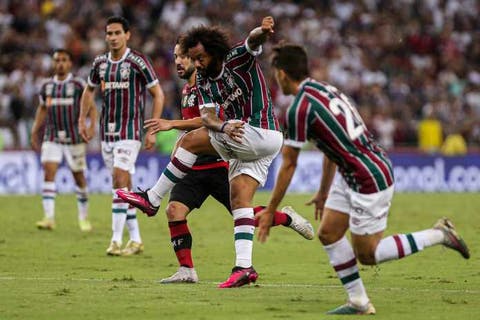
222	127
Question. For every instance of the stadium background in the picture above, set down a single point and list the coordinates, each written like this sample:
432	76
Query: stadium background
413	67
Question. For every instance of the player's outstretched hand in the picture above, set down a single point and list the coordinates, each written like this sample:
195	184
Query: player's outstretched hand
265	219
319	201
157	125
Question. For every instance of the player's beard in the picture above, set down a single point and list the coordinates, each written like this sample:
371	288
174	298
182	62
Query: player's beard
187	73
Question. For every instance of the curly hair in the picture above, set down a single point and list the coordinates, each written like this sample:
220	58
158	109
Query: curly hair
214	40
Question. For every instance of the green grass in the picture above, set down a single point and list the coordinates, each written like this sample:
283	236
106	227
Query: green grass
65	274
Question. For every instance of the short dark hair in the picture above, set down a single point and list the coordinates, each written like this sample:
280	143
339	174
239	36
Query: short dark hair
64	51
118	19
214	40
292	59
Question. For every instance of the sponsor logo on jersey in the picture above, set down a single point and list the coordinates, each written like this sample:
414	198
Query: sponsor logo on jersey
102	69
116	85
232	97
59	101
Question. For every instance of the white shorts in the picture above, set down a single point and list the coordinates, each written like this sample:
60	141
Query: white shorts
368	212
121	154
253	156
75	154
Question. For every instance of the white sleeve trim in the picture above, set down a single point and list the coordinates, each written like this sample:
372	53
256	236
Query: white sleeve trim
207	105
153	83
253	52
91	84
294	143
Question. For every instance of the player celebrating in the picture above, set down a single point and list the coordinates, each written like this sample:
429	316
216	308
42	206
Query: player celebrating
209	176
361	199
232	79
60	106
123	75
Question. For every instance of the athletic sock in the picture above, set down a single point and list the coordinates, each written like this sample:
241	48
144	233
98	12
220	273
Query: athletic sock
279	217
119	215
402	245
182	242
178	168
244	229
344	262
49	192
132	224
82	202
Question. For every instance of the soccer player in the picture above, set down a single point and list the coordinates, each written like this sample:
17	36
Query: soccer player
124	76
232	80
209	176
360	201
59	109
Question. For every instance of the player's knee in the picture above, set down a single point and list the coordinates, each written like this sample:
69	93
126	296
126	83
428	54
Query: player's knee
328	236
175	212
366	258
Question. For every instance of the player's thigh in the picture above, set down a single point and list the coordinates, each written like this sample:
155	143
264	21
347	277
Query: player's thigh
219	186
197	141
76	156
256	143
51	156
257	169
369	212
192	190
125	153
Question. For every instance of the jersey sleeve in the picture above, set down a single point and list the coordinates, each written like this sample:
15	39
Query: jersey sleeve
41	95
148	72
204	99
295	125
94	76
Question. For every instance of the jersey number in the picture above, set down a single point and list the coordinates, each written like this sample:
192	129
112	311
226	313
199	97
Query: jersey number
354	122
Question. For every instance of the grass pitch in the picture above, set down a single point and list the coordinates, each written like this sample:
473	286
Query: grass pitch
65	274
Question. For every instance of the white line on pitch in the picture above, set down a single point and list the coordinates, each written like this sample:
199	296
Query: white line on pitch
269	285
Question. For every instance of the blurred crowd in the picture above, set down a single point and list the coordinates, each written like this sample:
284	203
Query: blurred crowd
412	66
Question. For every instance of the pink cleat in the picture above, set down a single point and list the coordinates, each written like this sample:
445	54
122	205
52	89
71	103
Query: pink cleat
240	277
138	200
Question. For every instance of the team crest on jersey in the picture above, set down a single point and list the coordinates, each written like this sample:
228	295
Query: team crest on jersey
70	89
102	69
228	78
125	70
49	89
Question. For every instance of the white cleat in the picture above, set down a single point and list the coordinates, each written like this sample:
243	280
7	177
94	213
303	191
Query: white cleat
299	223
183	275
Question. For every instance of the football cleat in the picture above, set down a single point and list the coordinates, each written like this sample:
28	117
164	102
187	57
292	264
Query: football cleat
183	275
240	277
350	308
299	223
139	200
132	248
114	249
46	224
84	225
452	239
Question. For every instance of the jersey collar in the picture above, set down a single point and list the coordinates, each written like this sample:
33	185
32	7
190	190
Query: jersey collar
69	76
121	59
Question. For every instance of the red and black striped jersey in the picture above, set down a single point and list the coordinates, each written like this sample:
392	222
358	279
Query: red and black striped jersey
190	110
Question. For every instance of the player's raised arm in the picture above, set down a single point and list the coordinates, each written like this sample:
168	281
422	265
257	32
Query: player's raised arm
259	35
